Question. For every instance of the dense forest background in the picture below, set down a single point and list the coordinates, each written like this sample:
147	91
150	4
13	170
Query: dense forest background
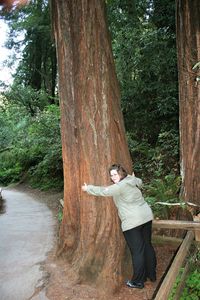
143	36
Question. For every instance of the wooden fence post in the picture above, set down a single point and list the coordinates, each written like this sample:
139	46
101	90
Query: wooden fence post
170	278
197	232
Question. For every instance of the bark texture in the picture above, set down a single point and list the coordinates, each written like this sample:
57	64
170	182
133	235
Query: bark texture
93	138
188	48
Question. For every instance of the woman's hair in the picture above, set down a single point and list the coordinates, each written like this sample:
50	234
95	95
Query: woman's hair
120	170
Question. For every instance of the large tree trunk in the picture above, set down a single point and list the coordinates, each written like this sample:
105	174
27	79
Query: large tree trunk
93	137
188	45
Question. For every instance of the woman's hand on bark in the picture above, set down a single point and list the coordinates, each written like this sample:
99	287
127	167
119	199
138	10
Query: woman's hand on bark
84	187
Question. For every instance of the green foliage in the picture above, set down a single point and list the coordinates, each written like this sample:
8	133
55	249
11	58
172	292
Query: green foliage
144	49
191	290
192	285
48	173
27	97
155	161
163	190
60	215
11	174
33	146
158	166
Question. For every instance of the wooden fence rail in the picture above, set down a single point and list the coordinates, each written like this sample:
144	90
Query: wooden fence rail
176	224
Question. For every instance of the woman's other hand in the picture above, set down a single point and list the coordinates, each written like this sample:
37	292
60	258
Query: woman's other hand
84	187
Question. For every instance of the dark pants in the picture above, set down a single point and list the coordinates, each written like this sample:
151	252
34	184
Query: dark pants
142	252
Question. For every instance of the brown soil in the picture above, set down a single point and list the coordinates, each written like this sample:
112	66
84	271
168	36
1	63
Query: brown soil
62	283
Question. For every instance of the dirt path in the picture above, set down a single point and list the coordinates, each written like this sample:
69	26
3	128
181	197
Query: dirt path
29	268
63	283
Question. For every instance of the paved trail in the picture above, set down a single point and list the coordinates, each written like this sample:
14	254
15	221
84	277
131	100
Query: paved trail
26	236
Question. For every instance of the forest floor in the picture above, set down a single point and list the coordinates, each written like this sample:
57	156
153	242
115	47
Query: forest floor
62	283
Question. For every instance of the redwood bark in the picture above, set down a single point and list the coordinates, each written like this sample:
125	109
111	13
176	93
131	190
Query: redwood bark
93	138
188	49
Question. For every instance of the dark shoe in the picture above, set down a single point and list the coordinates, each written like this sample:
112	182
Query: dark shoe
133	284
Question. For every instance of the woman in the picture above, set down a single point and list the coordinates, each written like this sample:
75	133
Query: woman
136	221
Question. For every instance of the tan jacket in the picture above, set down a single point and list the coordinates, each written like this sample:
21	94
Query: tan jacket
132	208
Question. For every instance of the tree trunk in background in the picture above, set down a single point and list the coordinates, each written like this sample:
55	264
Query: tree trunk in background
188	45
93	138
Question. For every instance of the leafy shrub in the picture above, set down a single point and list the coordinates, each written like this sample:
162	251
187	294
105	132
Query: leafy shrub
157	161
33	146
10	175
27	97
60	215
47	174
192	285
163	190
192	289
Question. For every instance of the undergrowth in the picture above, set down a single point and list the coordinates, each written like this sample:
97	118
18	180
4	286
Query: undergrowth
191	289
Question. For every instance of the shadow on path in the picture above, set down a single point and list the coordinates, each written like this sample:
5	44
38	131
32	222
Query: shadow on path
26	236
